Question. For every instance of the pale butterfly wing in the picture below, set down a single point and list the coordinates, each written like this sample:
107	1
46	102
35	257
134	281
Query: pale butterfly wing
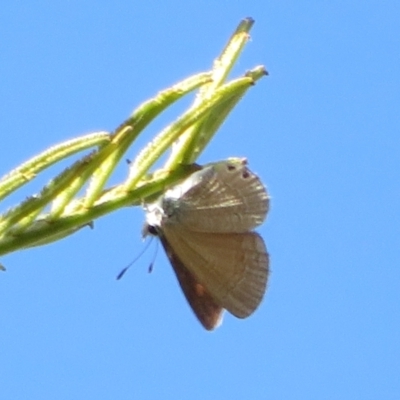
233	268
223	197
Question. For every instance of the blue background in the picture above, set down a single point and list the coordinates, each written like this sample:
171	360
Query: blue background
323	133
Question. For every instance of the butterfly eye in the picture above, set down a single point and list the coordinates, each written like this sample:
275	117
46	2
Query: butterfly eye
152	230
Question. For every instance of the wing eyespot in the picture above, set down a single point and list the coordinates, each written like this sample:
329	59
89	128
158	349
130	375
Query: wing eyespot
246	174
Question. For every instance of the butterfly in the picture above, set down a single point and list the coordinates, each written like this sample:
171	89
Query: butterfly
205	225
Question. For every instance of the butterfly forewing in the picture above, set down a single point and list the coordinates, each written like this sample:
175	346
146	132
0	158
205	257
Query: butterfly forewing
233	268
208	312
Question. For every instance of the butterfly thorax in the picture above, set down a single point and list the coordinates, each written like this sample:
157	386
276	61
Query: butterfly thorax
164	210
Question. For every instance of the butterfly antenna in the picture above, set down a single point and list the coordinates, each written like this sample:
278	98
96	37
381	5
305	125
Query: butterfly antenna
151	265
122	273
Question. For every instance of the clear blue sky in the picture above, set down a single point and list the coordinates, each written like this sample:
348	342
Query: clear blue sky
323	133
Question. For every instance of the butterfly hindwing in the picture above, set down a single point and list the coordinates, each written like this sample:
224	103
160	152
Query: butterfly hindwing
226	197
